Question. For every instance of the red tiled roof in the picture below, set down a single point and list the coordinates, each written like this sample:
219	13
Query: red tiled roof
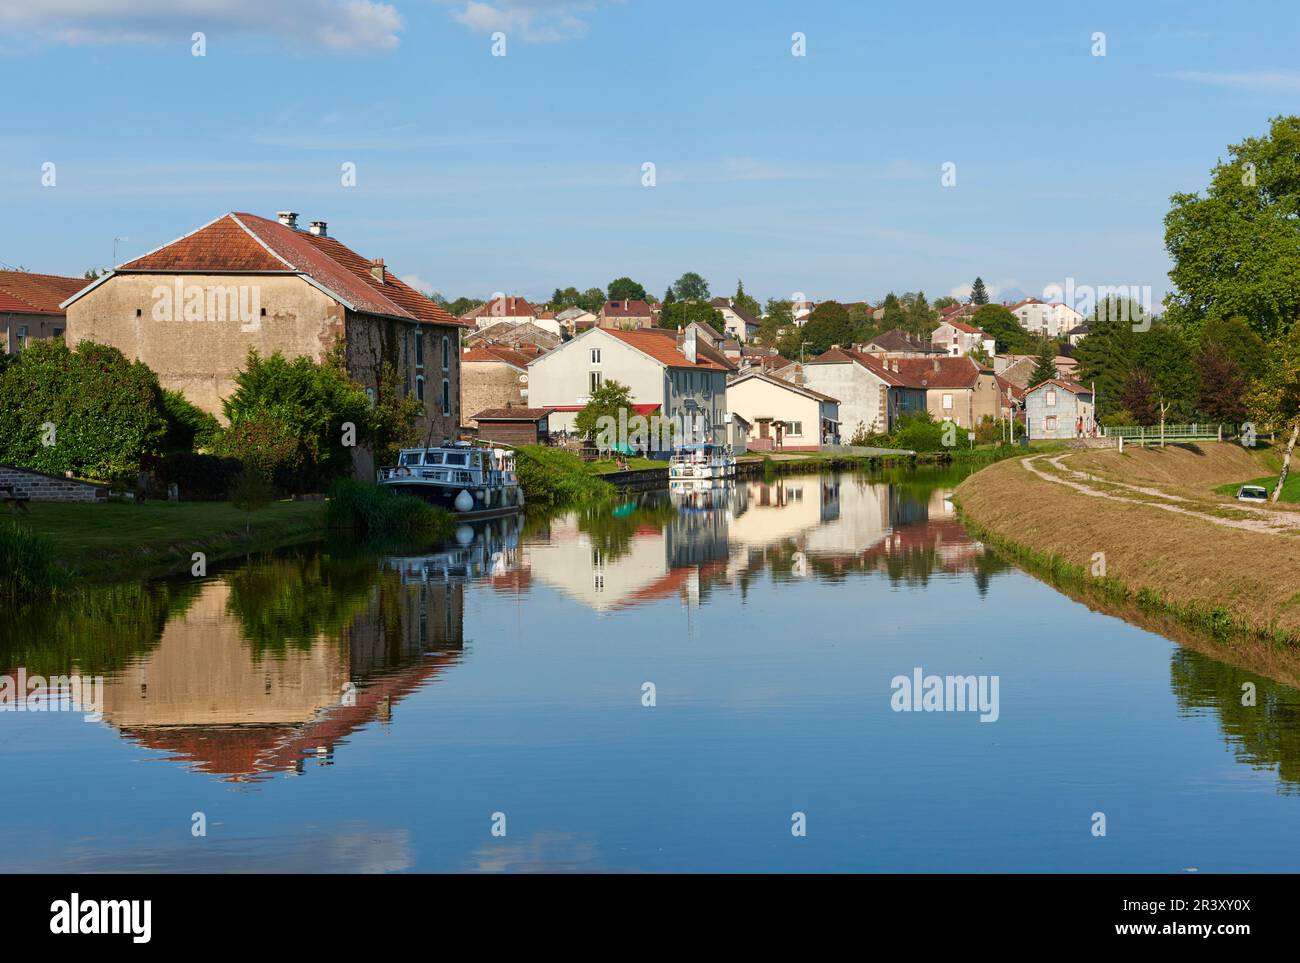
943	372
496	352
506	306
661	344
626	309
963	326
25	293
246	243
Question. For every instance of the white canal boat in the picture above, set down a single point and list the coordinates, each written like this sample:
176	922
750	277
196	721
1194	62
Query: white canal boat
701	461
470	481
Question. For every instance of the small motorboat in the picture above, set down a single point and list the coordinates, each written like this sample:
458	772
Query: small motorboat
701	461
472	482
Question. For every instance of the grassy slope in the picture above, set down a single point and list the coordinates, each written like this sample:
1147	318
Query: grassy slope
1185	562
122	538
636	463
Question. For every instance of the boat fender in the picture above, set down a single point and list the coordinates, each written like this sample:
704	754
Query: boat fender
464	501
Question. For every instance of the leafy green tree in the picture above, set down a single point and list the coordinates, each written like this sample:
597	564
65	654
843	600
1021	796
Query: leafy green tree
250	491
945	302
997	321
669	297
86	410
1221	397
606	401
691	287
978	293
746	302
778	319
1236	249
829	324
1045	366
1138	397
1238	341
461	305
1108	353
189	427
1274	401
921	319
894	313
681	313
625	289
593	299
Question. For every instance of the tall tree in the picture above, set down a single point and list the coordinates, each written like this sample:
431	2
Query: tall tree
895	314
1222	386
978	293
625	289
746	302
1236	250
829	324
669	297
691	287
1045	367
1275	400
1138	396
921	318
593	299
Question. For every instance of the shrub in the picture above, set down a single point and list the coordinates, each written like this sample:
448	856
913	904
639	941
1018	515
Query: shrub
373	512
264	443
918	431
553	476
188	426
27	565
197	477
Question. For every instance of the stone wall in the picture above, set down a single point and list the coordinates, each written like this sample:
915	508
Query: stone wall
50	488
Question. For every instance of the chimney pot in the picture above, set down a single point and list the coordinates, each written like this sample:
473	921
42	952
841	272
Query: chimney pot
377	269
288	218
318	228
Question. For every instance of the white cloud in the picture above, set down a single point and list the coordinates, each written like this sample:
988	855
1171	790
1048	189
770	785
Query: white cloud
1287	81
536	21
329	24
419	283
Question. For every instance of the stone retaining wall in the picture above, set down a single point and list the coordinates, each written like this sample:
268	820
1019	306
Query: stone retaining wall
50	488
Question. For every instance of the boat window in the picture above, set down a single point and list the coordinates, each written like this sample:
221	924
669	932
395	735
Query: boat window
410	458
433	458
456	457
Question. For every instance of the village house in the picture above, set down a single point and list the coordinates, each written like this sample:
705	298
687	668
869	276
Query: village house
785	416
1059	409
1077	333
737	322
575	319
500	308
514	426
1051	319
872	392
626	315
898	343
671	374
959	338
521	337
492	376
193	309
956	389
31	307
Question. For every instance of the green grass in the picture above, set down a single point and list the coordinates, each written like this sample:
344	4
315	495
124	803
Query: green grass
372	512
28	568
1290	491
554	477
606	466
122	539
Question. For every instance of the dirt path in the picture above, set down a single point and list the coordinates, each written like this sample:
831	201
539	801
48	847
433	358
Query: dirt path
1266	521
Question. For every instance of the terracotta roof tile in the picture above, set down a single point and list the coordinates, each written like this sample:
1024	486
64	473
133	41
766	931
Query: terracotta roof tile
24	293
661	344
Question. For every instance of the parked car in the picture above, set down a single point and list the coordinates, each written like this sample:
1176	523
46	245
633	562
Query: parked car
1252	493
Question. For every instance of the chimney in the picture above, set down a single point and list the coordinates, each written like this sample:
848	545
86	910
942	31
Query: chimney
318	228
288	218
936	364
377	269
688	345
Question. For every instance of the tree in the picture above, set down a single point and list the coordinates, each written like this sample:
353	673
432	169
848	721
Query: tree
1274	401
997	321
743	300
1236	250
625	289
921	318
681	313
461	305
606	401
1106	355
1045	367
691	287
944	302
569	297
593	299
895	314
250	490
188	426
669	297
1238	341
1138	397
829	324
778	319
978	293
86	410
1222	386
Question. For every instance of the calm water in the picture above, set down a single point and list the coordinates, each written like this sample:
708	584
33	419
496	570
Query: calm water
332	710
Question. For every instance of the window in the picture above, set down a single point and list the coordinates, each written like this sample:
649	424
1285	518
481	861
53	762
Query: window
20	337
595	356
1051	397
947	402
446	352
58	332
459	458
419	351
1049	423
419	386
794	428
595	381
446	396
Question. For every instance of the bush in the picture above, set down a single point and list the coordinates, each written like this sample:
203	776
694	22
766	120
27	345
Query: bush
265	444
918	431
373	512
553	476
27	565
188	426
197	477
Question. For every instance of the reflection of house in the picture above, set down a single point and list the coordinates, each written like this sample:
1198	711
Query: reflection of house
30	307
785	416
207	697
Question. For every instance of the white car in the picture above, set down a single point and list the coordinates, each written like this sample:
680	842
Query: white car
1252	493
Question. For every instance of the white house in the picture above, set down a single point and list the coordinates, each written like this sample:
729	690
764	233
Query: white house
672	374
737	322
1054	319
783	416
959	338
872	392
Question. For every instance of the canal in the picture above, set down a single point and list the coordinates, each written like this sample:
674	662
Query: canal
686	681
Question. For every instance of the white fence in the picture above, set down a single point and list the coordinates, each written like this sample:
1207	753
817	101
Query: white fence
1169	434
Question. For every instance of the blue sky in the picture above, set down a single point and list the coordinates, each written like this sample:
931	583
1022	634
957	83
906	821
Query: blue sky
817	174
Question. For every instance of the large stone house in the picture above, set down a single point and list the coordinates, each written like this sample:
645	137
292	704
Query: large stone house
492	376
670	373
626	315
956	389
192	309
872	392
30	307
959	338
1052	319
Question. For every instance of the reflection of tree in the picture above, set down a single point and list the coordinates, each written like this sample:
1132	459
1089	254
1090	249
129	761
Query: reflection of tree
1265	734
611	530
95	631
295	599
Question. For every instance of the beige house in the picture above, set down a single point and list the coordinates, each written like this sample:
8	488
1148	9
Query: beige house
192	309
956	389
783	416
672	374
492	376
626	315
737	322
871	390
30	307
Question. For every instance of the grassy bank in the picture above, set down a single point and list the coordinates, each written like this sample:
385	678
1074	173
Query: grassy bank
1220	581
554	477
118	539
803	462
373	513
